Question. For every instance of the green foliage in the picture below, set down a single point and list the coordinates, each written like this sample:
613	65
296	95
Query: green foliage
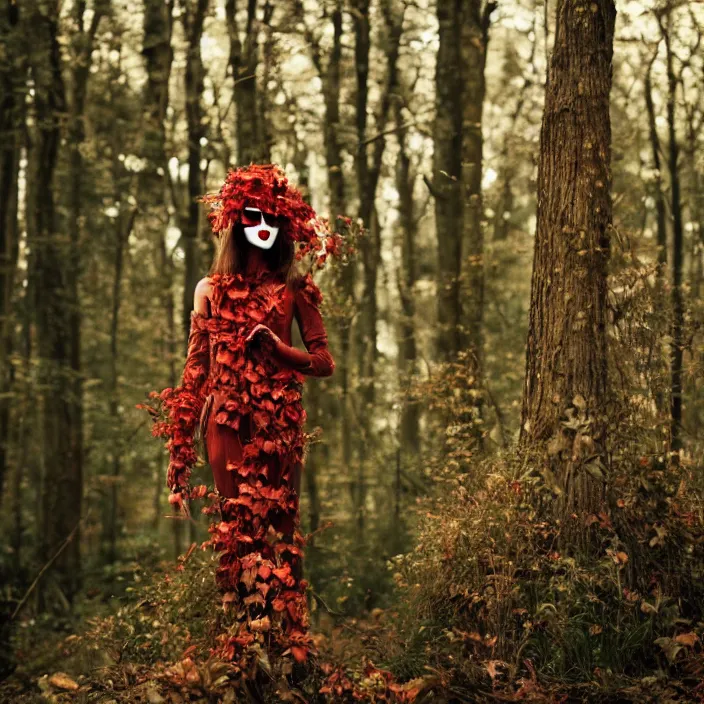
491	582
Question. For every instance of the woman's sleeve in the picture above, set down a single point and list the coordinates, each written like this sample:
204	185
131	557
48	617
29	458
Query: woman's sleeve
317	361
185	403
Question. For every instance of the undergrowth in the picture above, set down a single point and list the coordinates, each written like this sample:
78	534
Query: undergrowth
494	593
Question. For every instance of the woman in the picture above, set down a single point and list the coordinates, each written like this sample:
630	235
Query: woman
241	389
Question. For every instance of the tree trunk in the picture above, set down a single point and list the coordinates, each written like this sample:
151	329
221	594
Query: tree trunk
330	76
661	218
657	167
55	305
566	361
82	48
193	19
158	54
409	436
502	223
12	93
368	172
475	37
447	176
677	351
244	60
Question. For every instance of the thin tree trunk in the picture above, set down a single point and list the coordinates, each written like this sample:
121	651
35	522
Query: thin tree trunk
661	218
265	102
502	223
368	172
12	93
193	19
657	167
475	38
158	54
24	466
244	60
82	49
696	199
566	361
409	435
447	176
677	350
330	76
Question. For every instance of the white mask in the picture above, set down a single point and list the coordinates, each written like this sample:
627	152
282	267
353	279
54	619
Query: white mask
261	235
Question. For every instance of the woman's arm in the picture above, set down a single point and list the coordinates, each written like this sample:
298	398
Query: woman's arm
185	403
317	360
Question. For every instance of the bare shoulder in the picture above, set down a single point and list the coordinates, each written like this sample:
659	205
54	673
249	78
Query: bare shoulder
204	289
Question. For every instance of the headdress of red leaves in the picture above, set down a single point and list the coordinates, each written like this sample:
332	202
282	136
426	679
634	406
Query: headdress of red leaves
265	186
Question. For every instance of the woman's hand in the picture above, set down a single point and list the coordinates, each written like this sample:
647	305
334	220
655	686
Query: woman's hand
264	336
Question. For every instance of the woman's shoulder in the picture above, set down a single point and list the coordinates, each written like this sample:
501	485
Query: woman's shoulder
305	287
203	295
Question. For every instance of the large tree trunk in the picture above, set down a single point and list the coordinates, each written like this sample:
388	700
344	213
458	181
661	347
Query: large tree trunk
331	78
566	360
52	286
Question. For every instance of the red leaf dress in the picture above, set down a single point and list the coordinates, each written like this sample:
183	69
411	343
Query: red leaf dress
244	397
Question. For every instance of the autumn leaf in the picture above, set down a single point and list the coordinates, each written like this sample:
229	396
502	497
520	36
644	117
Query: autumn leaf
688	639
492	667
60	680
299	653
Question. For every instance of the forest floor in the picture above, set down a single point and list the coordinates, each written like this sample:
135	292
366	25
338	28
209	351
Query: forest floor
151	647
483	609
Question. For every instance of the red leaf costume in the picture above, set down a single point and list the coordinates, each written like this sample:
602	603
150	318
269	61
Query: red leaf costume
241	387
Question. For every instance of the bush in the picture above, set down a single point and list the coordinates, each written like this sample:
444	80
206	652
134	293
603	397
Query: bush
492	583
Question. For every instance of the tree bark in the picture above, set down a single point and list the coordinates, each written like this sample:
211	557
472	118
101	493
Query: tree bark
566	360
502	223
677	349
330	76
447	176
158	55
475	38
244	60
12	94
661	217
193	19
409	436
661	227
82	43
52	285
369	158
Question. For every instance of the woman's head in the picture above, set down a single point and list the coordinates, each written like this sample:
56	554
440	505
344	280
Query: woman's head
264	188
233	250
